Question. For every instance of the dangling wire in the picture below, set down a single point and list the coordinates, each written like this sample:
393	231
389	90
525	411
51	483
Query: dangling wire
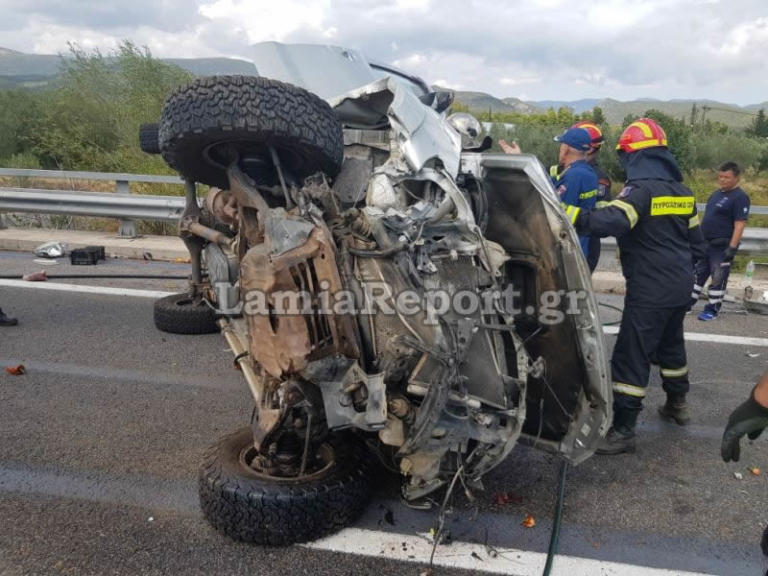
441	517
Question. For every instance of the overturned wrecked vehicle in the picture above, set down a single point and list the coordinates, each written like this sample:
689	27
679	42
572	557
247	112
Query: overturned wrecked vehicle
385	292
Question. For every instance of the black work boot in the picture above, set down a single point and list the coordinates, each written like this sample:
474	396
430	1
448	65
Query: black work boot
617	441
676	409
7	320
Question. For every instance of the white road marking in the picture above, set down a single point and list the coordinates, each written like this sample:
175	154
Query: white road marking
712	338
416	549
106	290
689	336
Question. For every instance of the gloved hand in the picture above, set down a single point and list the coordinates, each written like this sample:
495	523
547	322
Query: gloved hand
749	418
729	253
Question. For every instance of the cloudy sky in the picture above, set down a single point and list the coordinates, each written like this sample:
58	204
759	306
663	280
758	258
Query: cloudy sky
532	49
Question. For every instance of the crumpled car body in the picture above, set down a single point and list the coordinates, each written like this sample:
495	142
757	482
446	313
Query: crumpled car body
384	291
436	388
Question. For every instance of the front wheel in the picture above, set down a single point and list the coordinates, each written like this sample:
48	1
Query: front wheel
253	506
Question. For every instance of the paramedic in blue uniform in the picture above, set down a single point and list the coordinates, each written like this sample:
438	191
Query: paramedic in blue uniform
576	183
723	225
603	184
657	228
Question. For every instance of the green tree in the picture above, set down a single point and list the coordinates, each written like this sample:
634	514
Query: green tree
598	117
18	108
91	120
759	127
679	137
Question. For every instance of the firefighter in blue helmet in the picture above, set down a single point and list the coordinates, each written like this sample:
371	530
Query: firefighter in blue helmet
657	226
603	184
573	178
577	183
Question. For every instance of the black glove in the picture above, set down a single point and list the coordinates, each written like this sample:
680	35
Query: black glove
729	253
749	418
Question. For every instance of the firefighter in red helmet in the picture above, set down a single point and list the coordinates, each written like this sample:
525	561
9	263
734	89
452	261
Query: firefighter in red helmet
657	227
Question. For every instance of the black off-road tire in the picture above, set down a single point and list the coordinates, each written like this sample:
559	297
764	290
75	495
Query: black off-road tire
251	114
149	138
252	508
180	314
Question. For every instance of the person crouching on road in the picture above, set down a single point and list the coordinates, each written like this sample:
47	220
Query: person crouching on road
656	224
6	320
603	184
723	225
576	185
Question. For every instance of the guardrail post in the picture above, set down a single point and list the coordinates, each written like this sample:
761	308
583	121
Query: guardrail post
127	227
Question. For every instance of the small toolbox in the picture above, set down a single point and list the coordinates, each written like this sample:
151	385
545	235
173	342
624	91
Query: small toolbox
87	256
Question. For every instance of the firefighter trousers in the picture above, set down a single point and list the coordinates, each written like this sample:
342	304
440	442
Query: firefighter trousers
647	336
716	267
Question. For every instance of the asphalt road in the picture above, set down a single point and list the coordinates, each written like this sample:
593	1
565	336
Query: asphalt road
100	442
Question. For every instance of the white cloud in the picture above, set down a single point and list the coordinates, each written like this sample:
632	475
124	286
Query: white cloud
411	62
555	49
746	37
266	19
413	5
520	80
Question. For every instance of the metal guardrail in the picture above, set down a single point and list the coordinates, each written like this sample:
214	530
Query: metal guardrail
127	207
98	204
120	204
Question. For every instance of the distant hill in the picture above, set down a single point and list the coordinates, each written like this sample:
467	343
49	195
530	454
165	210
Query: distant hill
522	107
578	106
40	71
729	114
213	66
614	110
19	70
757	107
482	102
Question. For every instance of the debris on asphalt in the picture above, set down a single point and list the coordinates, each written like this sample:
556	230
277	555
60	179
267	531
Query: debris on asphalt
35	277
738	476
426	572
476	556
529	521
181	260
88	256
490	550
150	519
45	262
51	250
503	498
755	471
147	255
389	516
17	370
751	355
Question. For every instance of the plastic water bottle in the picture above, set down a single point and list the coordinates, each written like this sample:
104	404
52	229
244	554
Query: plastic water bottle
749	273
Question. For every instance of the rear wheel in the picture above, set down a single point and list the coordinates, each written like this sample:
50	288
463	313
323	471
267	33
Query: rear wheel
149	138
204	121
249	504
182	314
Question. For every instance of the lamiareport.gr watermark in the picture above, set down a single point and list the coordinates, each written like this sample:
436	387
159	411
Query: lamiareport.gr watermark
379	298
